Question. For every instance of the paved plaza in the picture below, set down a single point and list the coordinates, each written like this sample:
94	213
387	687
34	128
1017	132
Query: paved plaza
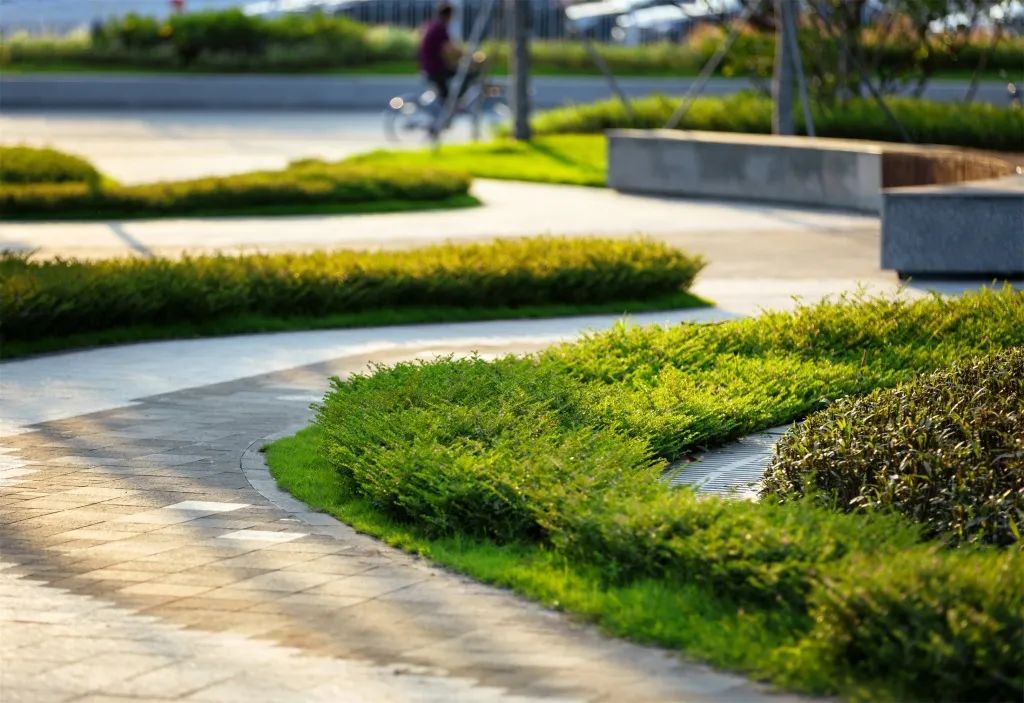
147	556
146	553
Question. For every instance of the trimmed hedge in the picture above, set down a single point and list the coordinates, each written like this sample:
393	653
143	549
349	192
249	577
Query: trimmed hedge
566	448
232	40
970	125
302	184
642	396
929	624
229	40
22	164
946	450
61	297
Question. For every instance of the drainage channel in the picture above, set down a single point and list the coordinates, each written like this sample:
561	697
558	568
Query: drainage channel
735	470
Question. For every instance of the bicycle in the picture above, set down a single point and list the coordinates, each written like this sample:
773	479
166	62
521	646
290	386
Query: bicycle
415	116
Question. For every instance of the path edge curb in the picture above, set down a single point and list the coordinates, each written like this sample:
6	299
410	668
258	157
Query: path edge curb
257	474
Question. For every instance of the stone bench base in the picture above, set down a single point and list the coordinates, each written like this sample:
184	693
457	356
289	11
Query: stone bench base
973	228
832	173
928	228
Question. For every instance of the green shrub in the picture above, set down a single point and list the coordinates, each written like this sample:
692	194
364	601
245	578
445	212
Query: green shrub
753	554
22	164
302	184
43	298
971	125
528	427
565	449
946	450
133	32
229	32
931	624
232	40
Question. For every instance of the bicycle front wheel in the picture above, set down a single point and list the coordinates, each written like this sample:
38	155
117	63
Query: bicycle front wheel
407	119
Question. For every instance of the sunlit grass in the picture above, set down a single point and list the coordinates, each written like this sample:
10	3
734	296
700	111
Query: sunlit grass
571	159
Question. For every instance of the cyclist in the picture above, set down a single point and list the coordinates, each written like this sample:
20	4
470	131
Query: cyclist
438	54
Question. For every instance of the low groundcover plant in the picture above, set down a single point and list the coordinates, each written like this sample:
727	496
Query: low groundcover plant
557	458
538	276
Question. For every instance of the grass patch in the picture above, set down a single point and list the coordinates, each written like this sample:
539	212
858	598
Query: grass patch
43	300
307	186
569	158
970	125
254	323
563	451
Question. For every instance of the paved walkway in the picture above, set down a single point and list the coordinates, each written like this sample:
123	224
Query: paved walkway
144	146
140	146
719	230
138	560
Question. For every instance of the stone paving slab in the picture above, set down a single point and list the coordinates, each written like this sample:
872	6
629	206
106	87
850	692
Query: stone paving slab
142	563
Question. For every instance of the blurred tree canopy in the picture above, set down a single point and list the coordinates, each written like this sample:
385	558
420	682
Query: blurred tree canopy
892	43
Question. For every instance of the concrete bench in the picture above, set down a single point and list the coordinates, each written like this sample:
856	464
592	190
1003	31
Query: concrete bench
974	228
819	172
937	218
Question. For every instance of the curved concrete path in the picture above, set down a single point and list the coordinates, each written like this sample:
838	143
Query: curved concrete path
510	209
139	562
143	146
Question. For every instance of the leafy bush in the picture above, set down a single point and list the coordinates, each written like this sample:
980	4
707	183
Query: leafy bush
945	626
972	125
232	41
230	38
946	450
565	449
307	183
63	297
217	32
133	32
22	164
669	390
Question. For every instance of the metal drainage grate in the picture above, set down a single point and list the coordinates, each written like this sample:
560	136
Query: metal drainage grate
735	470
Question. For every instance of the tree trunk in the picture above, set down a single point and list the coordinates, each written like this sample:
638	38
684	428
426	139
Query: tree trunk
982	65
782	78
519	66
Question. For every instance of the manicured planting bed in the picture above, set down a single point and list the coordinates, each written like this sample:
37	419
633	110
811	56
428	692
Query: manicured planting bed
543	474
970	125
946	450
303	187
62	303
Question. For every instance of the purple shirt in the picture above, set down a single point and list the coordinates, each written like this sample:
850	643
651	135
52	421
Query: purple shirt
431	54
